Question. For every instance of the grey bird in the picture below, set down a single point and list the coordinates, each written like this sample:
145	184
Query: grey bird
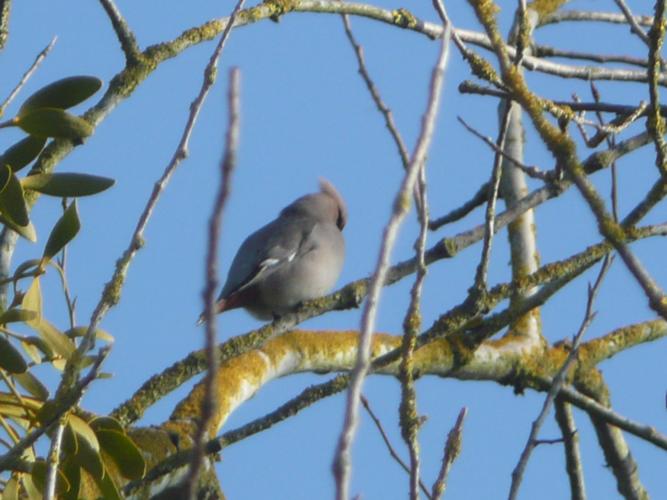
296	257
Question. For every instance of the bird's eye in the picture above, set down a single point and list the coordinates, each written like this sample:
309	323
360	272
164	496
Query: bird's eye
340	221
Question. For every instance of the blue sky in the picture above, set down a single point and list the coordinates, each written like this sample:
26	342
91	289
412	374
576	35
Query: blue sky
306	114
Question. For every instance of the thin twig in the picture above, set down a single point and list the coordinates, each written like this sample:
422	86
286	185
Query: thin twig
468	87
651	331
392	451
61	267
64	404
618	458
548	133
342	459
613	127
490	215
558	381
573	464
453	32
26	76
611	142
351	294
390	123
548	51
382	107
584	16
655	194
227	165
529	170
549	441
128	41
54	459
111	296
409	419
452	451
634	25
522	235
459	213
656	123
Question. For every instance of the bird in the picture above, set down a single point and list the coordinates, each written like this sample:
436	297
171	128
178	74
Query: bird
296	257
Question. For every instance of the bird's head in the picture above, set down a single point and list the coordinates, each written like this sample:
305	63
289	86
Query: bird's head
326	205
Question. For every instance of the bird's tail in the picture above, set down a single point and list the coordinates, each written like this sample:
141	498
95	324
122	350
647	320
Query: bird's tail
221	305
218	307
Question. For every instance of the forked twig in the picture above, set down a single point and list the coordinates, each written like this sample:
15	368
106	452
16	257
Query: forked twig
227	166
342	459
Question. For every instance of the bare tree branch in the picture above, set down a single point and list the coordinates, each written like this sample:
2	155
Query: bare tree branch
342	460
490	215
548	51
656	123
558	381
585	16
530	171
392	451
5	7
28	74
227	165
128	41
452	451
632	21
573	465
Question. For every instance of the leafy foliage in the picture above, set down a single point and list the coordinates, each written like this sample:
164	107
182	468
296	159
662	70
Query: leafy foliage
90	447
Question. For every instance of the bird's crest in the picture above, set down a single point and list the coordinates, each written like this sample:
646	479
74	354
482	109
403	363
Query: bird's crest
327	188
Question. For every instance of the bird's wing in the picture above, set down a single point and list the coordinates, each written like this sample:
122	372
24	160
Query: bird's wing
264	251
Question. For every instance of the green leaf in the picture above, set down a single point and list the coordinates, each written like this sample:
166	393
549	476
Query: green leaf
10	358
52	122
62	94
72	472
90	459
106	424
31	490
11	491
32	351
27	265
123	452
15	315
32	300
25	403
80	331
5	176
13	409
23	152
88	453
54	338
33	345
67	184
70	443
63	232
59	363
28	232
107	487
84	431
39	477
12	203
32	384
